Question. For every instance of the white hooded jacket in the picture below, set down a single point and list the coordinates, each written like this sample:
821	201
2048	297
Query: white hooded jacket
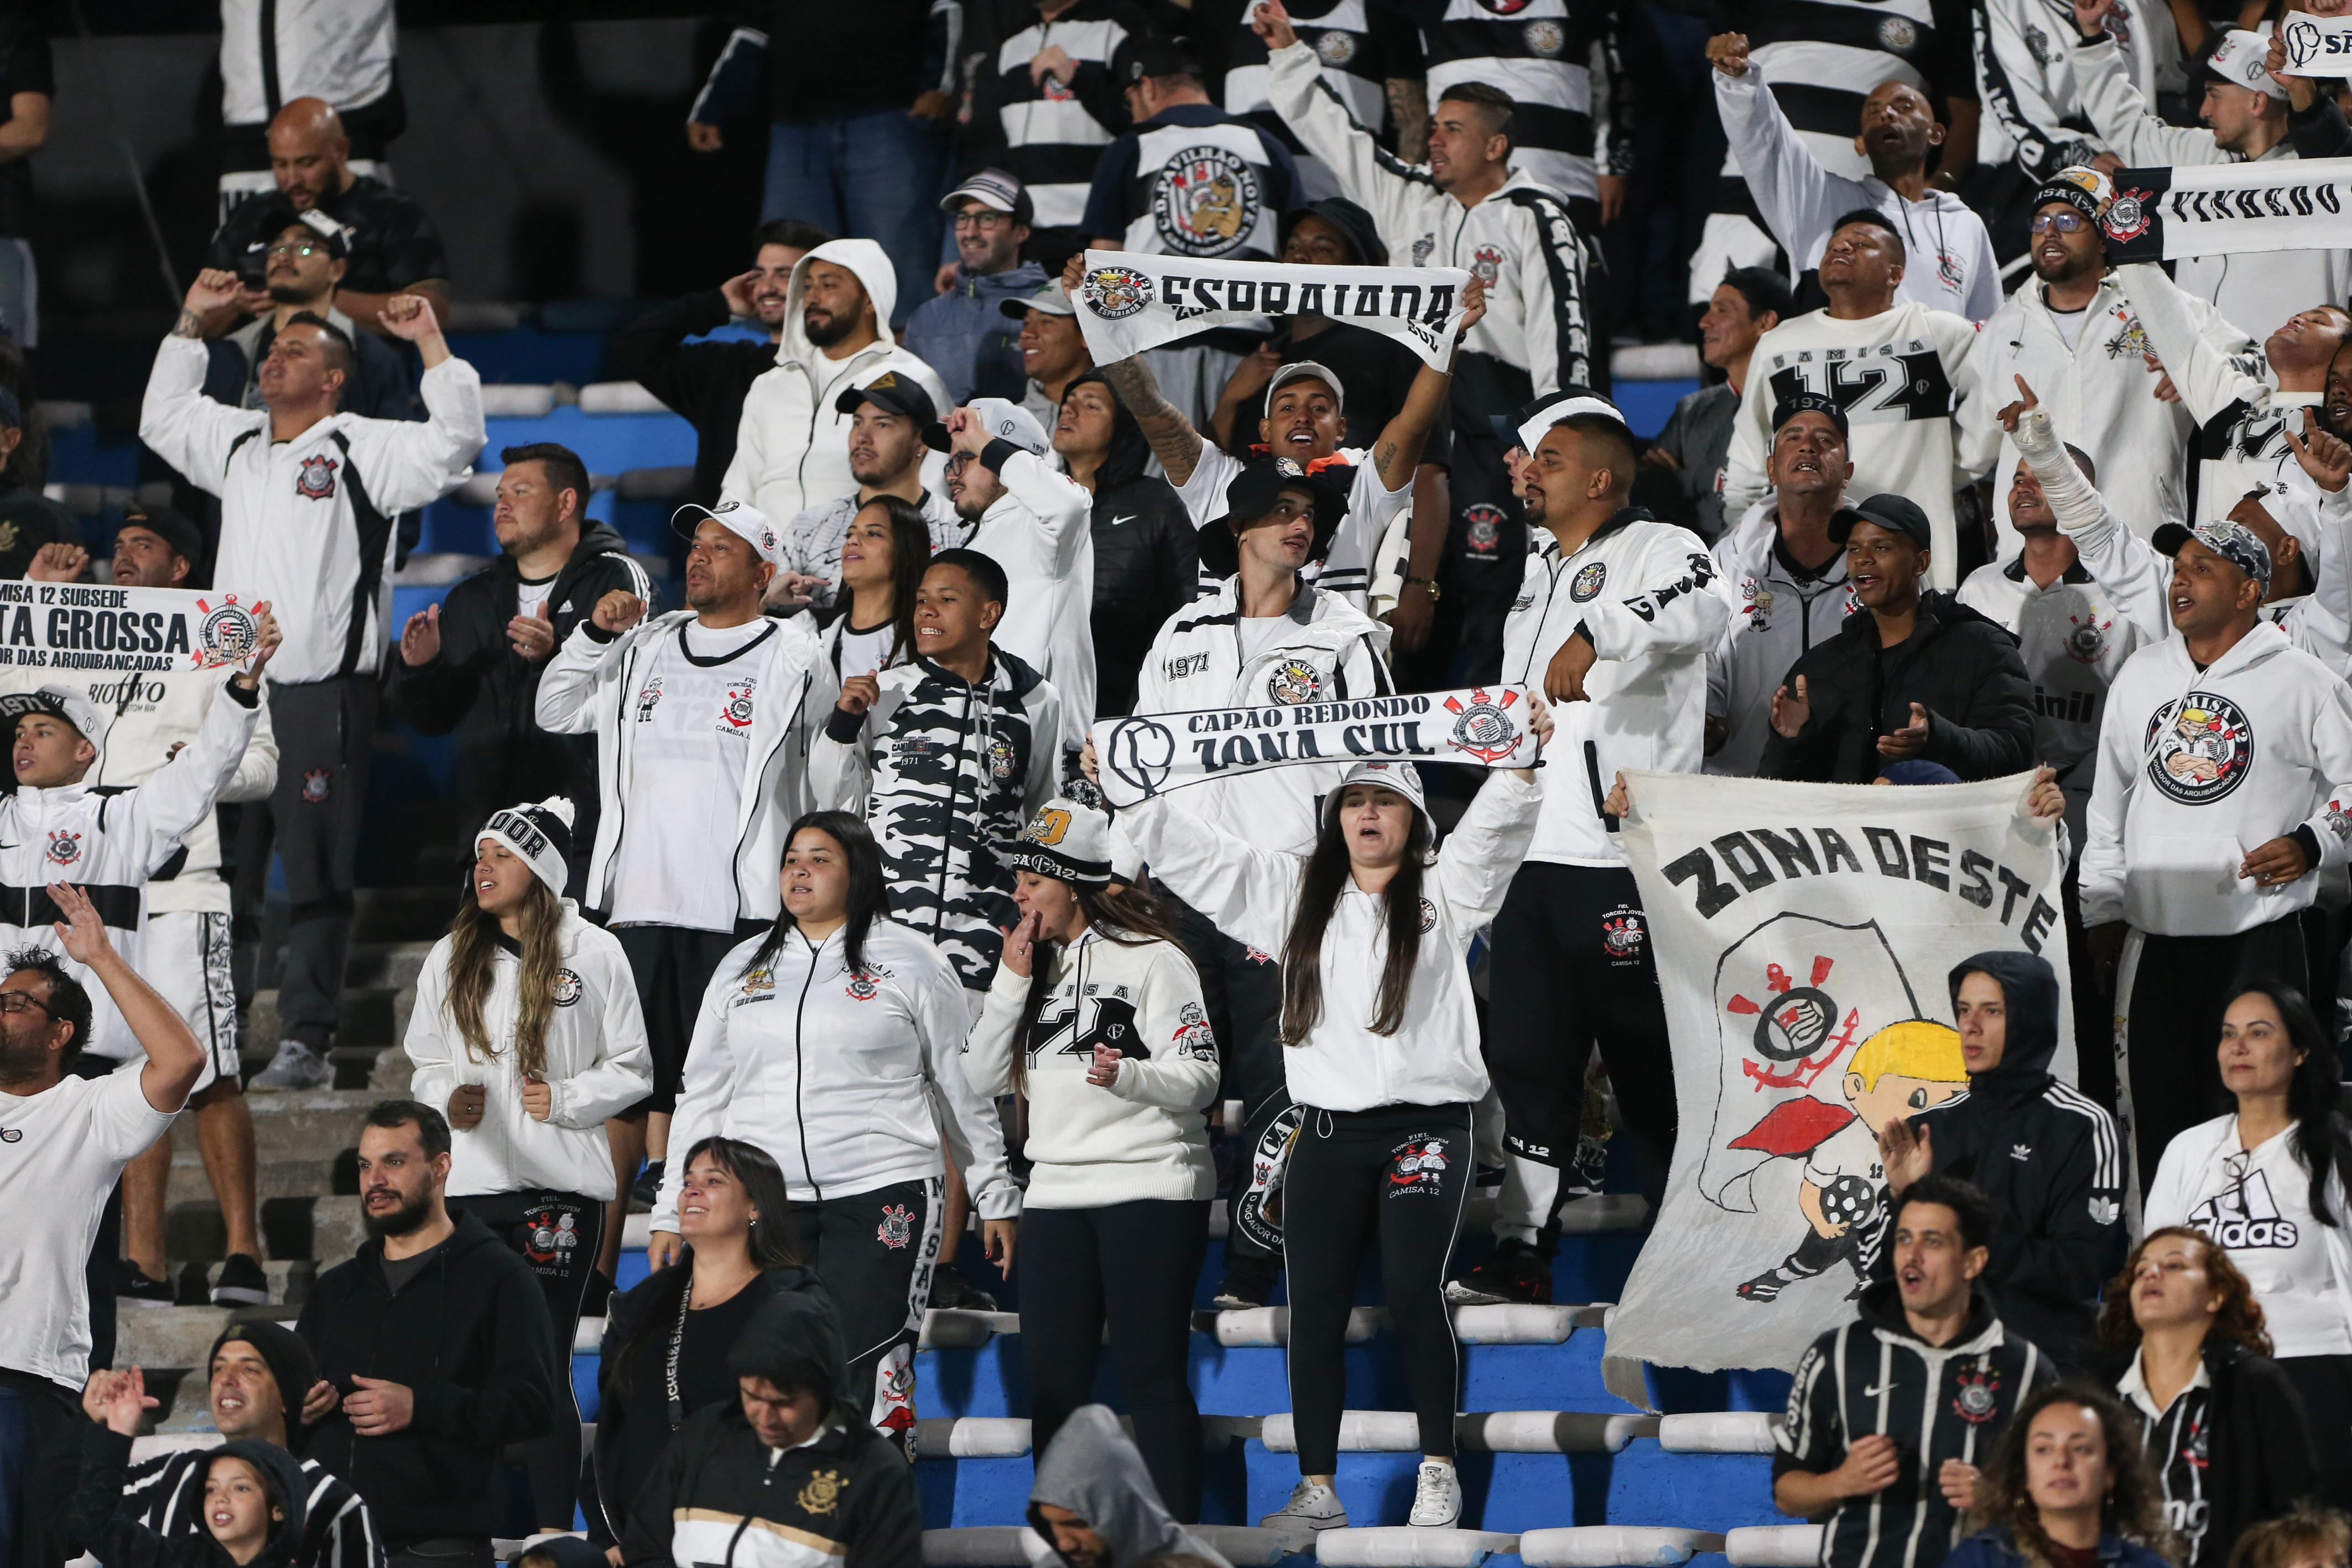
791	449
597	1064
2198	768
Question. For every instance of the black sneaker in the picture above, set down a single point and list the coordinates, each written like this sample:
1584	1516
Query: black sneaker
241	1282
134	1285
1516	1272
951	1291
1245	1285
645	1189
1765	1288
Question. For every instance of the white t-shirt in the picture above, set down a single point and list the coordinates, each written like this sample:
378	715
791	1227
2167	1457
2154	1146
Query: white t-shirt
864	653
60	1153
1256	631
2255	1204
1347	570
530	594
2069	324
693	705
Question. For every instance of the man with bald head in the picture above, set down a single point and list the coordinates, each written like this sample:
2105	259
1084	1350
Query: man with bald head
392	245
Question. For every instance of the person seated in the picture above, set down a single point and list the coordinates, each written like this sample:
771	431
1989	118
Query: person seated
2065	1488
1093	1503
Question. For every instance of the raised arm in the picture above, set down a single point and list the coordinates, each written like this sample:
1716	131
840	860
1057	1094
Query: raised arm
179	423
1798	198
1398	452
410	463
2122	116
1482	854
2210	381
173	1058
178	794
1246	891
567	687
2119	561
1172	438
1387	187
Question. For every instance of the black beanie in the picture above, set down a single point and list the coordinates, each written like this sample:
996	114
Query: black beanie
289	1359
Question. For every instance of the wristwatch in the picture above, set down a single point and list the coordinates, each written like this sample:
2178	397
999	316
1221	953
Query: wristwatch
1428	582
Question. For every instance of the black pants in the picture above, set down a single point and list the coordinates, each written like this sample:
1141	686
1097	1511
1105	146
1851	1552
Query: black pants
1404	1172
1242	988
876	1251
102	1275
2325	1384
673	967
2180	987
559	1235
1478	576
1572	969
1129	1266
2094	1011
313	819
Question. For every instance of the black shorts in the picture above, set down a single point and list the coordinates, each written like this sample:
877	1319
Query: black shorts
672	966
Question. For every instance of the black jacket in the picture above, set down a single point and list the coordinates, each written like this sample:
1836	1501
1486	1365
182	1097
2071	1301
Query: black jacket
481	687
2048	1157
469	1336
115	1535
848	1493
2258	1453
703	382
650	1305
1147	568
1961	666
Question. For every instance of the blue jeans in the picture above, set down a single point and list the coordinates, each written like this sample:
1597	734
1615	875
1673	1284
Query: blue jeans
870	176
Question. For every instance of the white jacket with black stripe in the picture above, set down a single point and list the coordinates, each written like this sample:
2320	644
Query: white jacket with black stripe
588	687
1327	651
1653	603
307	524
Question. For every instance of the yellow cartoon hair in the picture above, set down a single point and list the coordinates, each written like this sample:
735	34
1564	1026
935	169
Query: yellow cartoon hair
1915	1047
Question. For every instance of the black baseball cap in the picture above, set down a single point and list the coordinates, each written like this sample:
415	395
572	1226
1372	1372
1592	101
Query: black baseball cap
900	395
1151	55
1354	224
1788	408
1900	513
1252	495
173	527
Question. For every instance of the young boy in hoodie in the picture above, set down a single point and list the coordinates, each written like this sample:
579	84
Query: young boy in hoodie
2046	1156
253	1499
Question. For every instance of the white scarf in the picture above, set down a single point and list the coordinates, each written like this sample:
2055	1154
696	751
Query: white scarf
2216	209
1129	302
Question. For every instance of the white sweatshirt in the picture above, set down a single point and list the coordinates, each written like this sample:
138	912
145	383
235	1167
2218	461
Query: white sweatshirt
1252	896
833	1071
597	1064
2197	769
1038	531
1901	376
1142	1136
2255	1204
2256	291
2025	79
1648	597
1949	264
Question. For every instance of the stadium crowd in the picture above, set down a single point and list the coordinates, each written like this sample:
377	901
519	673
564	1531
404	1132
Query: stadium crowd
797	918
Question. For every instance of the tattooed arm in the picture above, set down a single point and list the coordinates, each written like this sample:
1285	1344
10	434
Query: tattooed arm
1173	440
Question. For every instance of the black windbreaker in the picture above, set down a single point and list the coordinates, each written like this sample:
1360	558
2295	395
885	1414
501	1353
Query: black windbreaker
1937	1402
2050	1160
1961	666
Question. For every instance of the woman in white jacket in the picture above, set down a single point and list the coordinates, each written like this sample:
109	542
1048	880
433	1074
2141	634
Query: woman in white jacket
2268	1183
1096	1018
526	1028
883	556
824	1040
1383	1060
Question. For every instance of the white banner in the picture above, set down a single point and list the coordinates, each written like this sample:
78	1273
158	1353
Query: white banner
77	626
2217	209
1151	754
2316	46
1129	302
1804	935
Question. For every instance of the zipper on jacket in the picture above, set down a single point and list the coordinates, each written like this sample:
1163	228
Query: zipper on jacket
800	1074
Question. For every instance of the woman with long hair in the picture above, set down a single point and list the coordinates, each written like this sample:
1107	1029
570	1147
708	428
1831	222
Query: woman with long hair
528	1030
883	555
1096	1018
1146	551
2067	1489
2225	1432
666	1339
824	1041
1373	933
2268	1183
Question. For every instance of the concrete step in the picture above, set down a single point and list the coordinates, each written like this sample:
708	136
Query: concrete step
403	913
290	1282
1614	1546
371	1016
297	1228
273	1179
311	1124
1401	1546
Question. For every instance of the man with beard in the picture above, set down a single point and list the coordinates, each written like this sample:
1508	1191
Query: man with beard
2073	334
706	382
1696	442
303	258
75	1131
961	331
1952	261
433	1343
888	419
792	445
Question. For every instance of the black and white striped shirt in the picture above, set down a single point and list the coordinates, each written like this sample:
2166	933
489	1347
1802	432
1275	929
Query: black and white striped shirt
167	1493
1051	132
2176	1443
1354	43
1559	61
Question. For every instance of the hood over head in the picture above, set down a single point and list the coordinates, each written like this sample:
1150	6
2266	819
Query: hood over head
869	261
281	1473
1092	1468
794	1340
2029	988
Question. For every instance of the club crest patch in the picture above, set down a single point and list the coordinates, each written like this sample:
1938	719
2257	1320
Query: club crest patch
1428	917
1205	201
314	786
1482	529
823	1493
1977	1398
1586	584
1483	726
898	1226
1294	681
64	848
1417	1165
760	982
568	987
1623	934
1336	46
736	716
861	989
1114	293
316	481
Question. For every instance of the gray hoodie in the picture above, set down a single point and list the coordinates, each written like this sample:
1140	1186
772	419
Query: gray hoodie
1092	1468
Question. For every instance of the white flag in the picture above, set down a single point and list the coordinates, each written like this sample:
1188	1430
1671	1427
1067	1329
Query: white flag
1129	302
1804	937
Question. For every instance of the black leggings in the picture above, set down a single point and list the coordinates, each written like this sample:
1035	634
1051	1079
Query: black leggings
563	1256
2325	1384
1402	1171
875	1251
1131	1265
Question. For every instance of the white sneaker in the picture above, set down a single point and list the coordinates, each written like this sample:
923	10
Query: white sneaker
1437	1496
1315	1505
295	1066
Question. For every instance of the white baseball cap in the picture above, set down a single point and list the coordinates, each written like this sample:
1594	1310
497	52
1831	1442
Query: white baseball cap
58	702
1539	419
2239	57
740	518
1305	370
1005	422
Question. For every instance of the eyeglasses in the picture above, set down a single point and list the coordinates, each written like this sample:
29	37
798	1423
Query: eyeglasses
2064	222
983	219
18	1001
295	247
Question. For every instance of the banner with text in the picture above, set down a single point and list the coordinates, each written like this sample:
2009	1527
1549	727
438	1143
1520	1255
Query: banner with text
1150	754
1803	934
79	626
1129	302
2215	209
